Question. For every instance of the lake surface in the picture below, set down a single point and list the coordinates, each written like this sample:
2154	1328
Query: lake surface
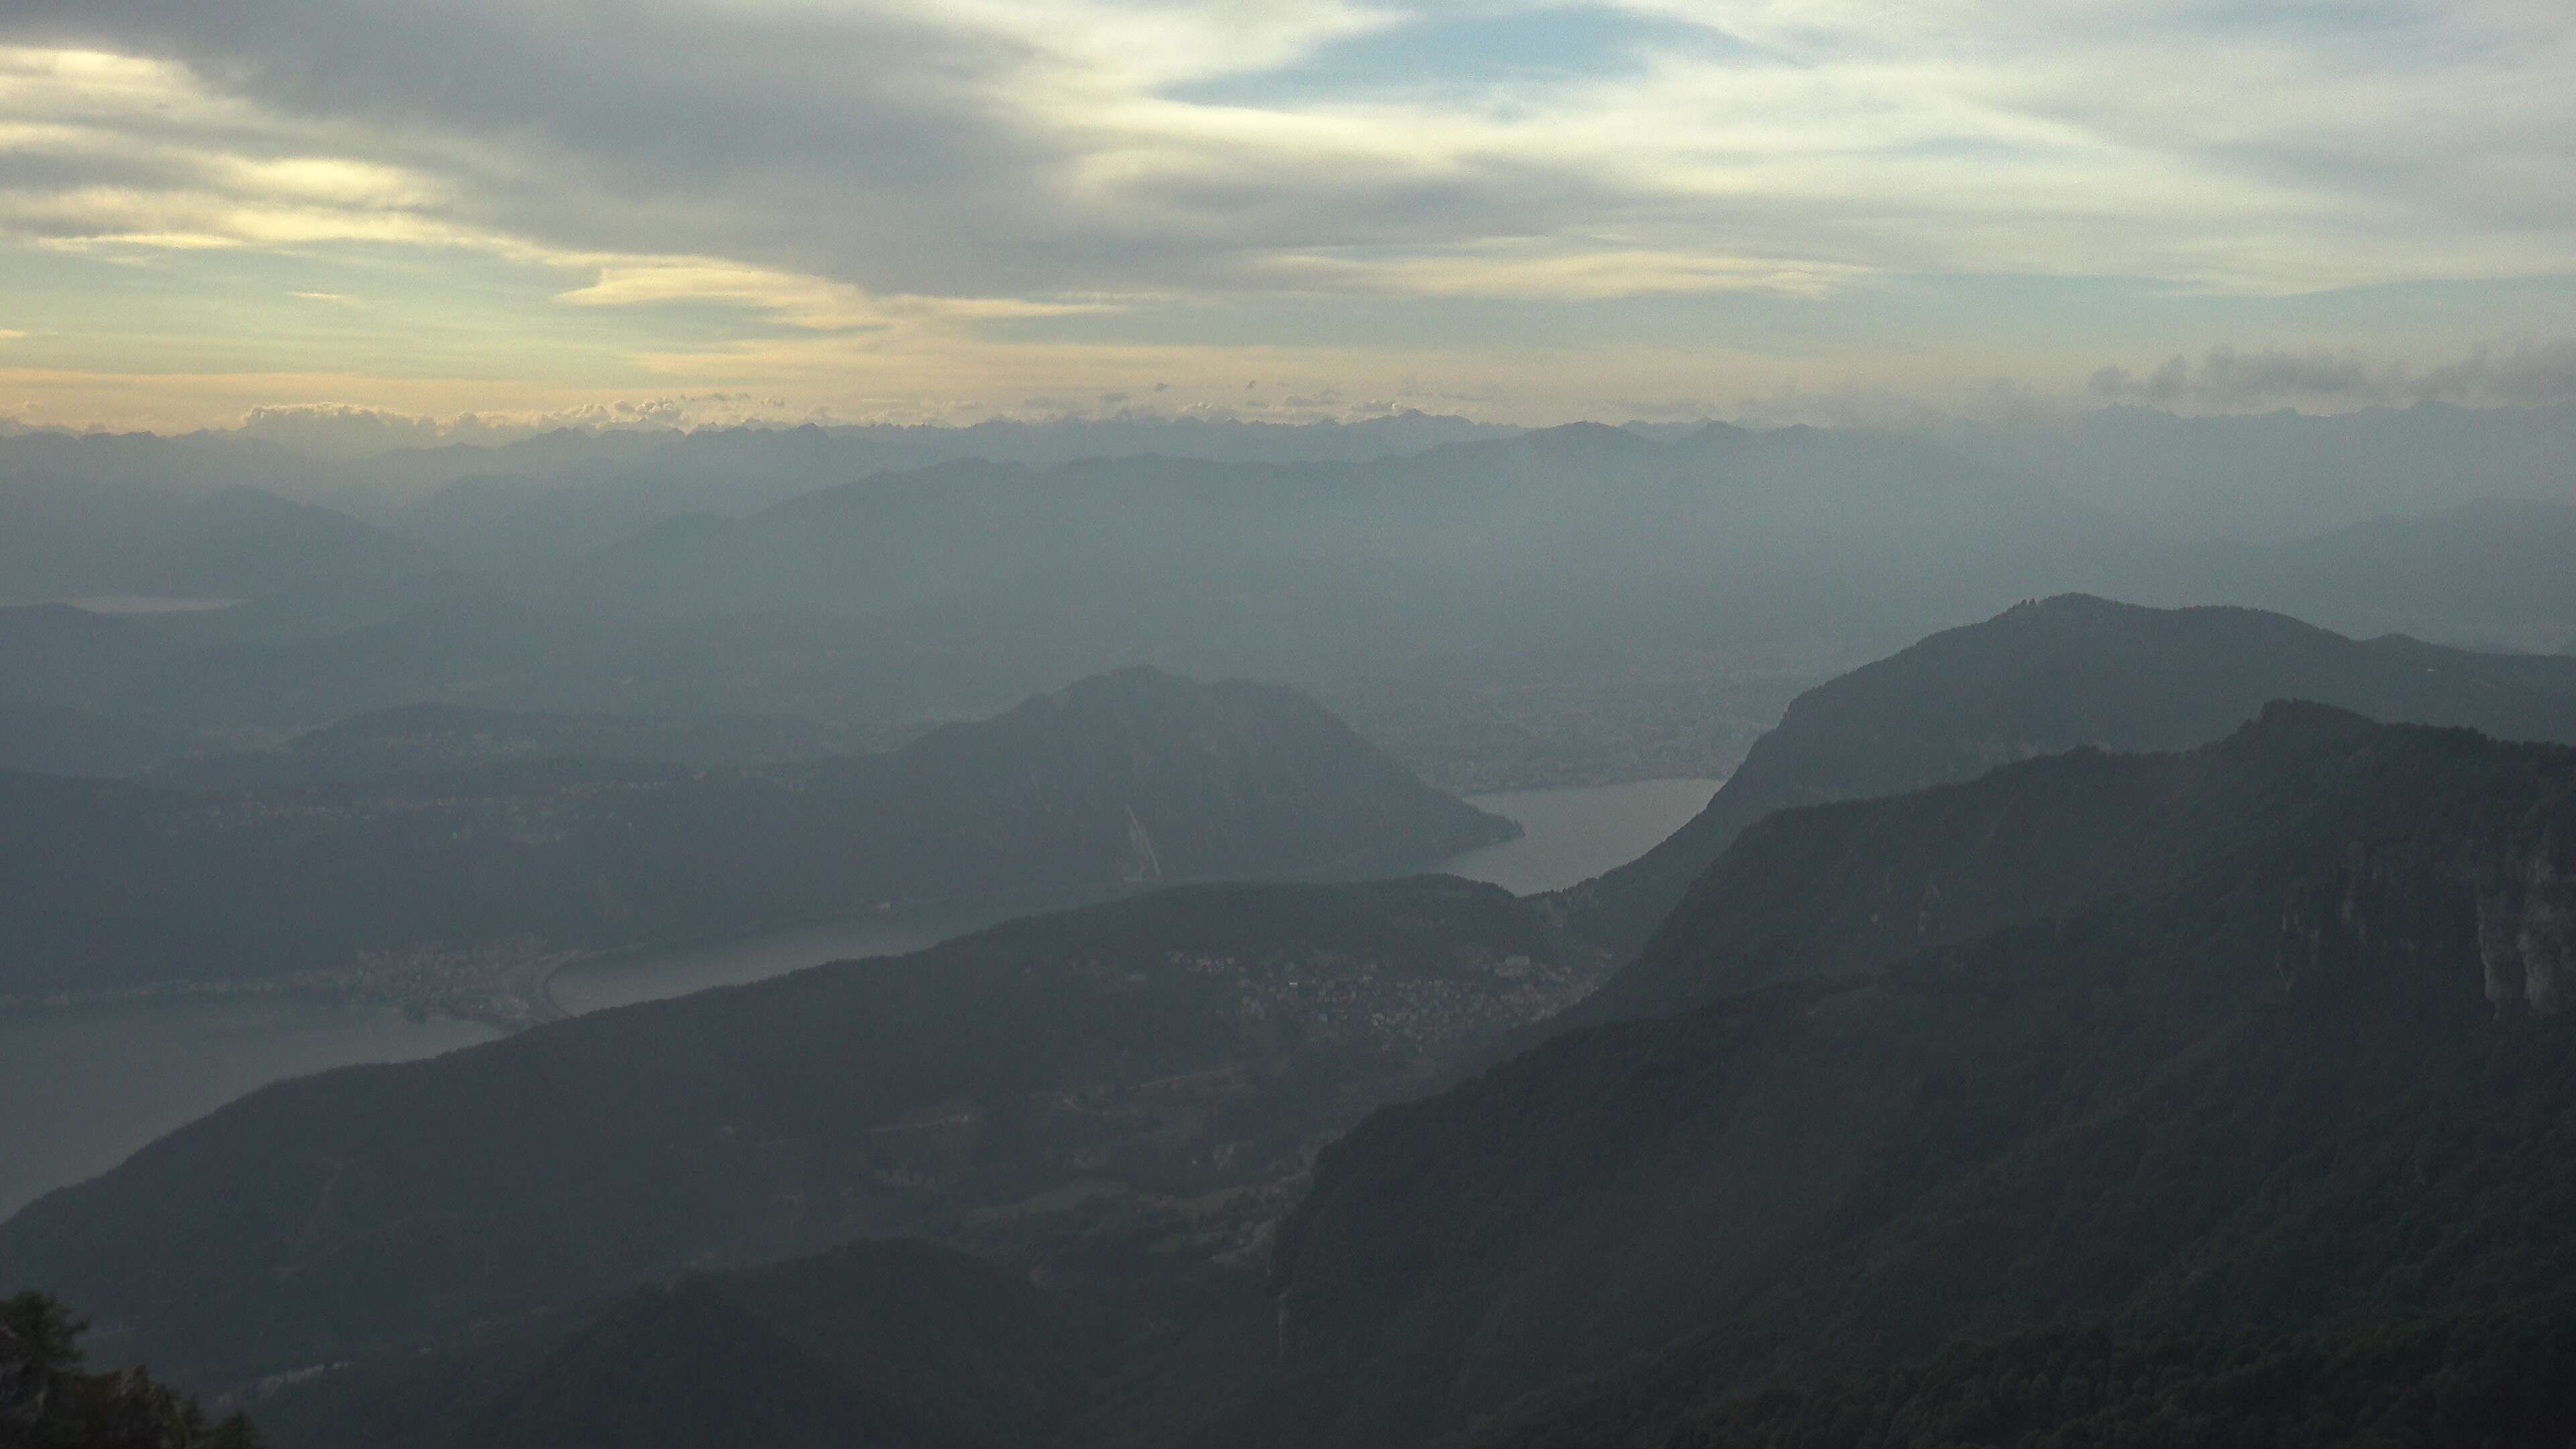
1575	834
661	971
82	1088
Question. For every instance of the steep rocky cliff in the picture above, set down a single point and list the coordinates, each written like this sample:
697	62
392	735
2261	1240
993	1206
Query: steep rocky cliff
2259	1036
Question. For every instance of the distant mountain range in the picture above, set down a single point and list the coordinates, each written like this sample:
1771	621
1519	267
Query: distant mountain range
464	878
876	581
71	525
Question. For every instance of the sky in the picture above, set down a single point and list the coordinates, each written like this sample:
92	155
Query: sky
942	210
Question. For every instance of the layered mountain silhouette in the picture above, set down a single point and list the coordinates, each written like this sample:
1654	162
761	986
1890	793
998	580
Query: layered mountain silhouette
2257	1046
2053	674
2214	1091
2267	1035
1116	782
1145	1078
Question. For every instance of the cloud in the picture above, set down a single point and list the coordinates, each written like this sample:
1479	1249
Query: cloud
1015	198
354	430
1005	148
2228	380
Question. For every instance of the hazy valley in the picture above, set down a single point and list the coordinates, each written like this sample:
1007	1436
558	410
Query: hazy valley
824	936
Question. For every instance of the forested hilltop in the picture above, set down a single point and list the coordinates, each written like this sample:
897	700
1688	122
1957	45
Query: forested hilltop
459	886
2052	674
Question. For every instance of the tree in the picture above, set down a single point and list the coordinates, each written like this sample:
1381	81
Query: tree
48	1401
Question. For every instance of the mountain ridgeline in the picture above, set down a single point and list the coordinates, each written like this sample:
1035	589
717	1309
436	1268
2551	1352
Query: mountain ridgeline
2265	1035
390	880
1141	1082
875	580
2006	1081
2188	1092
891	1343
2055	674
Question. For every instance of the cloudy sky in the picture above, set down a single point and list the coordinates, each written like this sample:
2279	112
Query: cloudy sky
946	209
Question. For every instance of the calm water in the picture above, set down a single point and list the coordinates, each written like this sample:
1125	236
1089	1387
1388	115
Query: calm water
1576	834
660	971
81	1089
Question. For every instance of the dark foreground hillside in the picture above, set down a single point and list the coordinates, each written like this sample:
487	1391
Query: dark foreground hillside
1137	1084
433	887
51	1398
2055	674
2492	1376
2263	1037
894	1343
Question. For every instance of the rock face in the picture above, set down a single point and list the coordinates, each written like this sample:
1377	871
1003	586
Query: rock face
2054	675
2206	1041
2526	905
2382	913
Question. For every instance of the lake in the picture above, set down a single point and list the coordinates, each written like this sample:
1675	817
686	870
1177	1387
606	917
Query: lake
81	1088
1575	834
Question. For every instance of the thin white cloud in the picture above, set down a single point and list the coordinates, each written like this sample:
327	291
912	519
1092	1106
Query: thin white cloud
995	148
895	186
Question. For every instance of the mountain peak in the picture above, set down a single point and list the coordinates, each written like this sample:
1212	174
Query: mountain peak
2052	674
2303	722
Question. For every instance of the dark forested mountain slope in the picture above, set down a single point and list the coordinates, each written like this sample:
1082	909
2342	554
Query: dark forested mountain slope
1120	781
1144	1078
2477	1376
896	1344
2058	673
892	1342
2257	1115
2265	1035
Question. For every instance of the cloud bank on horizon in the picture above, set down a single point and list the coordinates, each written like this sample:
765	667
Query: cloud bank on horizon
953	208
